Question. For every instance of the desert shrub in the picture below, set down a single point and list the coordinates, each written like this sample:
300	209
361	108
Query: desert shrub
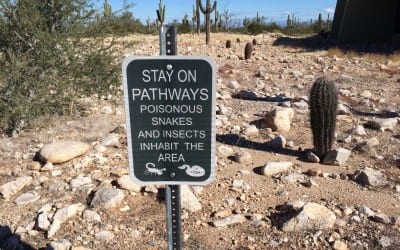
255	28
47	60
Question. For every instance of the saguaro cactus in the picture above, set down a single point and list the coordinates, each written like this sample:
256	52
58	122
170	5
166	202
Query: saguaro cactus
107	10
216	20
161	13
198	18
248	49
323	105
228	44
207	11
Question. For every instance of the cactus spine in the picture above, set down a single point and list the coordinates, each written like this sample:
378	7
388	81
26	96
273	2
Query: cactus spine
207	11
323	105
248	49
161	13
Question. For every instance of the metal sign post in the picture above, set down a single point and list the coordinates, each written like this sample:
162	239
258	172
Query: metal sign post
168	46
170	115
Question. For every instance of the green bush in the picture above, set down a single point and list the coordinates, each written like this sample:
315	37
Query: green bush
47	60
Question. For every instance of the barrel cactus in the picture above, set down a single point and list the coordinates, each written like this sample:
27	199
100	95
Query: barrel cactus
228	44
248	50
323	105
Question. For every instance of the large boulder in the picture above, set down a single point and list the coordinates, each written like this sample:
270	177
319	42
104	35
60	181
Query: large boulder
59	152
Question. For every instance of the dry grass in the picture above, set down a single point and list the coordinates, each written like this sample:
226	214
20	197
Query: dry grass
393	59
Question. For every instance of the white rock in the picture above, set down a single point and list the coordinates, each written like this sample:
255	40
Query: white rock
251	131
107	198
383	124
243	157
359	130
312	216
279	119
370	177
225	151
81	181
337	157
188	200
278	142
26	198
43	222
311	157
339	245
111	140
366	94
343	110
104	236
60	245
91	216
59	152
234	84
271	168
232	219
125	182
9	189
62	215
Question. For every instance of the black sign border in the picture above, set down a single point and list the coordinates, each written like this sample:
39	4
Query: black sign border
212	64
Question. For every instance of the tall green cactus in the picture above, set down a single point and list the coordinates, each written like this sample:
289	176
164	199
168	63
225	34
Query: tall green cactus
207	11
216	20
323	105
194	17
198	17
161	13
107	10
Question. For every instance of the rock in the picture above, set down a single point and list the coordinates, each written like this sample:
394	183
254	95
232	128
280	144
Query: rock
48	166
62	215
369	177
279	119
188	200
278	142
312	216
9	189
232	219
295	204
111	140
222	213
234	85
243	157
385	241
359	130
366	94
366	210
343	110
246	95
383	124
125	182
59	245
91	216
81	182
107	198
59	152
311	157
293	178
225	151
302	105
271	168
43	222
337	157
26	198
381	218
251	130
339	245
104	236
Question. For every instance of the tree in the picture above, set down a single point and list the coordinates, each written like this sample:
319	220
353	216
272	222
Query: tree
47	61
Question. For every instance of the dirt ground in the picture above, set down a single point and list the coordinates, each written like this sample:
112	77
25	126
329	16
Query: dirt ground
368	82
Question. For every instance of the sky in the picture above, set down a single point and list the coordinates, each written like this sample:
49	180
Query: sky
272	10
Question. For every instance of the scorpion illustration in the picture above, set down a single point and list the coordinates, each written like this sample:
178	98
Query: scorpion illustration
152	170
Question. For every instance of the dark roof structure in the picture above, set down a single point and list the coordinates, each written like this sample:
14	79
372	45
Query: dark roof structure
366	21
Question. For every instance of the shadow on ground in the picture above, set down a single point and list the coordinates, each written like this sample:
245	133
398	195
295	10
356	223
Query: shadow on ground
325	42
236	140
10	241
